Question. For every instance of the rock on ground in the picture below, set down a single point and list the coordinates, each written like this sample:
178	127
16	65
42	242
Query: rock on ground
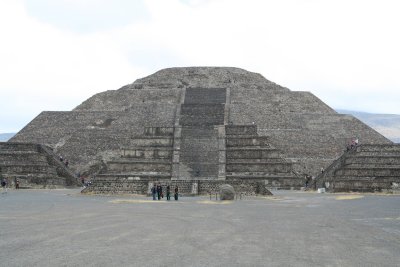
227	192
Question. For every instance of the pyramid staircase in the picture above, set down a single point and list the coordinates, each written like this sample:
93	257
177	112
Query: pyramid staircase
148	155
34	165
200	151
252	157
201	113
366	168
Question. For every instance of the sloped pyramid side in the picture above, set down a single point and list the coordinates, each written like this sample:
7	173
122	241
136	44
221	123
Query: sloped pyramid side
252	157
307	131
366	168
34	165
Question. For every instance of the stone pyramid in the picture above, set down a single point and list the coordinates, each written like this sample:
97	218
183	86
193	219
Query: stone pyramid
199	124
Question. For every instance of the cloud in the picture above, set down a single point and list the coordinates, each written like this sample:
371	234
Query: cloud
56	54
46	68
87	16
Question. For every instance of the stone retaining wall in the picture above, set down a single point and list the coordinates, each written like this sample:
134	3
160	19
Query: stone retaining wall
365	168
186	187
34	165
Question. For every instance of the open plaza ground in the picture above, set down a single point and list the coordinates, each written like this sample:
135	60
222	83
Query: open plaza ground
291	228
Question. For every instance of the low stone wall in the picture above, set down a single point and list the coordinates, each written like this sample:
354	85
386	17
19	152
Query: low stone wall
357	185
186	187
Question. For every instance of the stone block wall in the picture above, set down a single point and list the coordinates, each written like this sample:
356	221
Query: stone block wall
204	77
53	128
143	156
35	166
126	185
126	98
279	102
250	157
366	168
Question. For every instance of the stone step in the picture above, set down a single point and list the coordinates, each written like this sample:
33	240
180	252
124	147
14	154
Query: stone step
159	132
201	120
37	181
20	147
147	153
393	154
357	159
252	153
139	160
251	148
27	167
366	178
116	167
381	165
22	158
241	130
202	169
203	109
368	171
205	95
206	157
379	148
18	162
364	185
193	117
10	152
206	144
248	141
262	175
150	142
199	131
270	160
133	175
259	167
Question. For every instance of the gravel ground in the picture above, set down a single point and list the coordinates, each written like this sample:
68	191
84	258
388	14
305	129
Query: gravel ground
291	228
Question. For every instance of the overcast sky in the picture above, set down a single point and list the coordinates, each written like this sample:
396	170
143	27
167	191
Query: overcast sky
54	54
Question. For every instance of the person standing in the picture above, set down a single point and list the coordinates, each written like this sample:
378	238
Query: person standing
159	191
17	183
4	184
307	181
154	191
168	192
176	193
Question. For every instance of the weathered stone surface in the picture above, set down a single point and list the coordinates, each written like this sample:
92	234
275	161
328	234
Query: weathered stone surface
365	168
128	184
226	192
200	123
34	165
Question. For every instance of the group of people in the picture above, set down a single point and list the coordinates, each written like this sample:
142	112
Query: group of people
308	180
352	144
157	192
4	183
65	161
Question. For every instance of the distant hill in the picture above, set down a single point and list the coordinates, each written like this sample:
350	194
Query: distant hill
386	124
4	137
